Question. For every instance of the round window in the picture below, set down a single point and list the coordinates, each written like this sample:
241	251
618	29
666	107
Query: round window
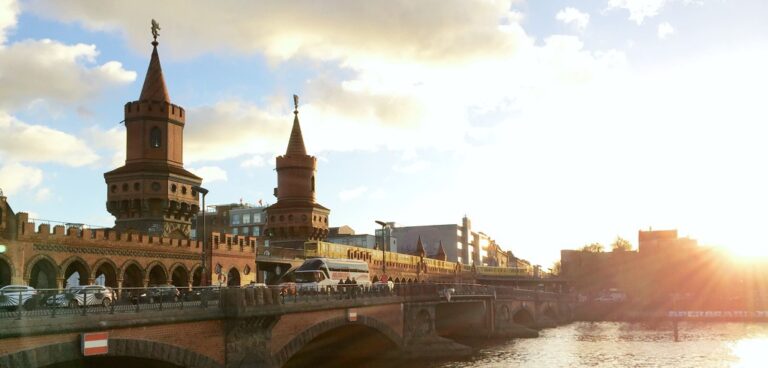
184	190
113	188
155	186
125	187
173	188
136	186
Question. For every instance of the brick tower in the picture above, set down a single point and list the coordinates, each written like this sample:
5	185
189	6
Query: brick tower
296	217
152	193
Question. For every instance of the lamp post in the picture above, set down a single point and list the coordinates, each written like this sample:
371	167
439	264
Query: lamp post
384	226
204	274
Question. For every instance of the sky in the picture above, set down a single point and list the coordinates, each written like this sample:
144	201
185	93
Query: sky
551	124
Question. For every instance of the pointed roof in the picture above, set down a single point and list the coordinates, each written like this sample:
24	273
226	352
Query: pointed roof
154	84
296	142
441	252
420	248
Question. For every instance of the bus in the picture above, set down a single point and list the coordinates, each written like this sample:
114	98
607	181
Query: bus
325	273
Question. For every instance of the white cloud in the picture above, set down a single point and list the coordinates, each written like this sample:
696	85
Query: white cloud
15	177
573	16
254	161
210	173
24	142
62	73
111	143
665	30
639	9
9	11
412	167
350	194
43	194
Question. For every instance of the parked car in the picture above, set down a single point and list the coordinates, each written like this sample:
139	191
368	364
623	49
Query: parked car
211	293
10	294
78	296
157	293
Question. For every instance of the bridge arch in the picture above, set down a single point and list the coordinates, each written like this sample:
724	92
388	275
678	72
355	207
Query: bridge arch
179	275
233	276
6	270
549	311
523	316
109	269
196	273
307	336
68	352
41	272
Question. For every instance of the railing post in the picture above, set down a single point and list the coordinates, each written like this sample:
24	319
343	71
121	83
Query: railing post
19	306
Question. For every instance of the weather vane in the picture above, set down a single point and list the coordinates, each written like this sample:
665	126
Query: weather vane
296	104
155	28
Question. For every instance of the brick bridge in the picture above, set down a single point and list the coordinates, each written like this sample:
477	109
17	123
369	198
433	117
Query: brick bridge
259	328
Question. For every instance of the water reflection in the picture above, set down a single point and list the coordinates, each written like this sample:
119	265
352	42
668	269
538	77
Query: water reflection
610	344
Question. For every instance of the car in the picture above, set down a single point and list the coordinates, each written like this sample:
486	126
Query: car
78	296
10	294
157	293
210	292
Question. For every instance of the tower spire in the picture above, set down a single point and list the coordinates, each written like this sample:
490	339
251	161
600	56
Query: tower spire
296	142
154	84
420	248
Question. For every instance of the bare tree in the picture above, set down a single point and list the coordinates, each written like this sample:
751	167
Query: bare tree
621	245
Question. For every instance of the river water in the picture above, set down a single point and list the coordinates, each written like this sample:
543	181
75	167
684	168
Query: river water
615	344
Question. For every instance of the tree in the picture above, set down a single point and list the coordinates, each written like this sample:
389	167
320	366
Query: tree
593	248
557	267
621	245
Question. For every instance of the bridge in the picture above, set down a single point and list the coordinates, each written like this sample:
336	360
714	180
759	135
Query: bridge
260	327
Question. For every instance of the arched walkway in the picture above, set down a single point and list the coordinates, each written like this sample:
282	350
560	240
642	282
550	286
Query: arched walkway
68	354
233	277
157	274
133	276
42	273
197	276
76	272
358	340
105	273
179	276
5	271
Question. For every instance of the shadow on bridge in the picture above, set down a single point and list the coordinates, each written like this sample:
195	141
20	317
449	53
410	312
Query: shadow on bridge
345	346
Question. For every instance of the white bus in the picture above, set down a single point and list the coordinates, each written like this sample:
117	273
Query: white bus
324	273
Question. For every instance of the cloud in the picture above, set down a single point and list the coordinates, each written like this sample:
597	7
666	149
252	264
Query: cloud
411	167
639	9
574	17
350	194
255	161
15	177
665	30
435	30
9	11
43	194
210	173
62	73
24	142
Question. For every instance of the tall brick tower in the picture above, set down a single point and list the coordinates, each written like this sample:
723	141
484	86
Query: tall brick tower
152	193
296	217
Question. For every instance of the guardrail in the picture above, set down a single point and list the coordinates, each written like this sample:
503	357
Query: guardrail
94	300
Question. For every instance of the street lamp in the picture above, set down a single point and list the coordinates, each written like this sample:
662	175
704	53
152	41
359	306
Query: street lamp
384	225
204	273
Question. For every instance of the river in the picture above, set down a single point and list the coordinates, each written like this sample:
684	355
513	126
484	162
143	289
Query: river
615	344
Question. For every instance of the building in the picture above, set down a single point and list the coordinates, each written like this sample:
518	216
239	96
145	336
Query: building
460	243
234	218
296	217
152	193
346	235
153	200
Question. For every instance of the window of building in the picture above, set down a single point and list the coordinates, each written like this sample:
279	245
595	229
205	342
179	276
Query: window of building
154	137
246	230
235	220
246	218
313	183
256	218
235	231
256	231
459	245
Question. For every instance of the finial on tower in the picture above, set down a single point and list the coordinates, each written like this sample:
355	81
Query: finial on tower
296	104
155	33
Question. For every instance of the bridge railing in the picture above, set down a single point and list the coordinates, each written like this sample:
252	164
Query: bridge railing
94	299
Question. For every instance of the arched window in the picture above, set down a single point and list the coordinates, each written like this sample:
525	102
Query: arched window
154	137
313	183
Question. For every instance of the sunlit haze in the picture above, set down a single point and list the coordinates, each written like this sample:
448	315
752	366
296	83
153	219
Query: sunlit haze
551	124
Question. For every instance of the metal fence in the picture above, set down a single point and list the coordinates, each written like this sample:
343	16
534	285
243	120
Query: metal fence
95	300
